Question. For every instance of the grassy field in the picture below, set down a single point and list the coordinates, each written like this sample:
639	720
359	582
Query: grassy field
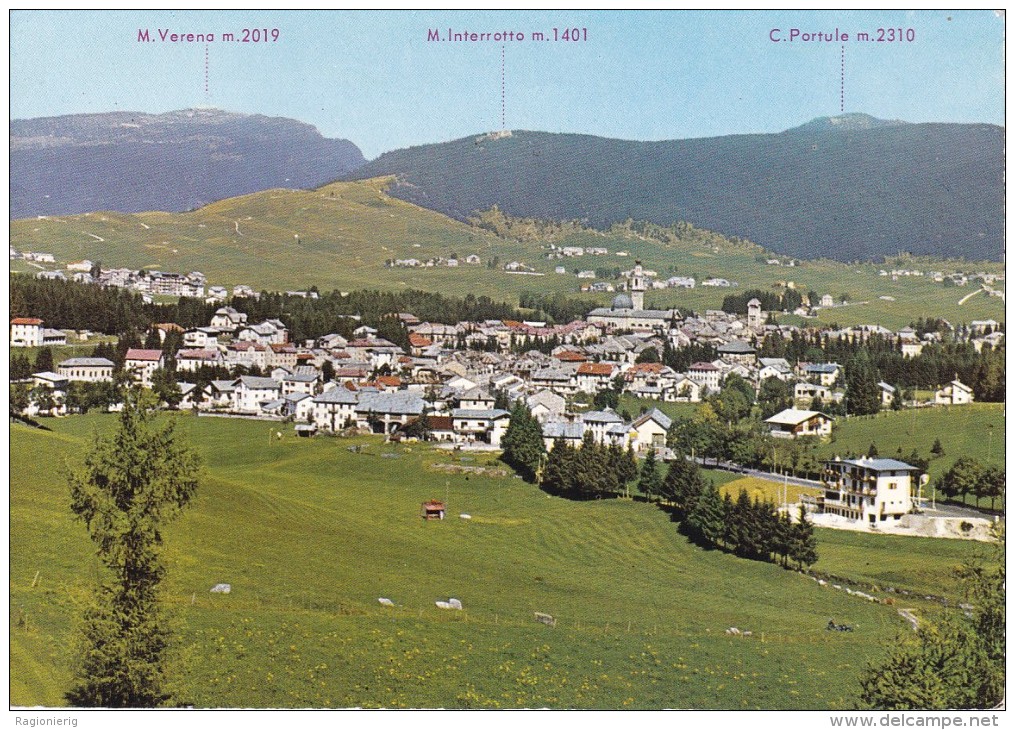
341	235
765	489
64	352
310	535
919	564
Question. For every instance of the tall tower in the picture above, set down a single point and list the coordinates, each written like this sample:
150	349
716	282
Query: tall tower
637	287
754	313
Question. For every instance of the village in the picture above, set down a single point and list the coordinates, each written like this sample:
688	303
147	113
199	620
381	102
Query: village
457	384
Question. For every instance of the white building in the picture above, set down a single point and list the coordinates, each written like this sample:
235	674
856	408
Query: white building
192	360
651	429
86	369
705	373
793	423
487	425
870	490
334	409
252	392
26	332
955	393
142	363
227	318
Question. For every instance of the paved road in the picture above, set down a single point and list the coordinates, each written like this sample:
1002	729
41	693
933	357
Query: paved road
770	476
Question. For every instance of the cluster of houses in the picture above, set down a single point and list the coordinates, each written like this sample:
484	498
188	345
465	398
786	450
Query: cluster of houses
411	263
958	278
557	252
163	283
37	256
454	373
147	282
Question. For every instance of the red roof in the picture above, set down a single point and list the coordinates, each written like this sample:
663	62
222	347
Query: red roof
286	348
26	320
145	355
350	372
390	381
595	368
647	367
197	354
441	423
571	356
419	340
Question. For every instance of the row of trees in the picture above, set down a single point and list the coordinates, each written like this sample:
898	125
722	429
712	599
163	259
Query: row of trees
114	311
969	476
751	529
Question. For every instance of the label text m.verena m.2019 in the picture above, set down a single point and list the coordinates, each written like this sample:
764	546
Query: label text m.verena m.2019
244	35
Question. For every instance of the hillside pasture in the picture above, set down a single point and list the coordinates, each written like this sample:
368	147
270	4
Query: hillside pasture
310	535
340	236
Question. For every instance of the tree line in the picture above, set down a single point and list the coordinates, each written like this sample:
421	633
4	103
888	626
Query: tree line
787	300
937	363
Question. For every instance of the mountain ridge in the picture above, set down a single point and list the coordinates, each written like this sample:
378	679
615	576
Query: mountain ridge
175	161
855	194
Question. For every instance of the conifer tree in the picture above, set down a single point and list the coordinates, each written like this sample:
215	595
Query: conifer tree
44	361
21	368
131	483
523	444
558	475
803	543
707	523
649	482
863	394
683	485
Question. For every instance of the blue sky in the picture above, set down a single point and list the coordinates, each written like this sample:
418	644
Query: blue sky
372	77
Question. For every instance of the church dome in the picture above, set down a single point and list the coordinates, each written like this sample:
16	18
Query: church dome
622	301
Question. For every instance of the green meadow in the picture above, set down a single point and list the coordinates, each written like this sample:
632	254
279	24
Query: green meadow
341	235
310	535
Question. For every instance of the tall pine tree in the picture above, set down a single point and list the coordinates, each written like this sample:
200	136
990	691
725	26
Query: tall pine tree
650	482
131	484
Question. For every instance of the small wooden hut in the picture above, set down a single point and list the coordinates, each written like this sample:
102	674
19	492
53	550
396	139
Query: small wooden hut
432	510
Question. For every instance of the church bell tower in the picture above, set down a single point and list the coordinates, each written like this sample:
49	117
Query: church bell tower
637	286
